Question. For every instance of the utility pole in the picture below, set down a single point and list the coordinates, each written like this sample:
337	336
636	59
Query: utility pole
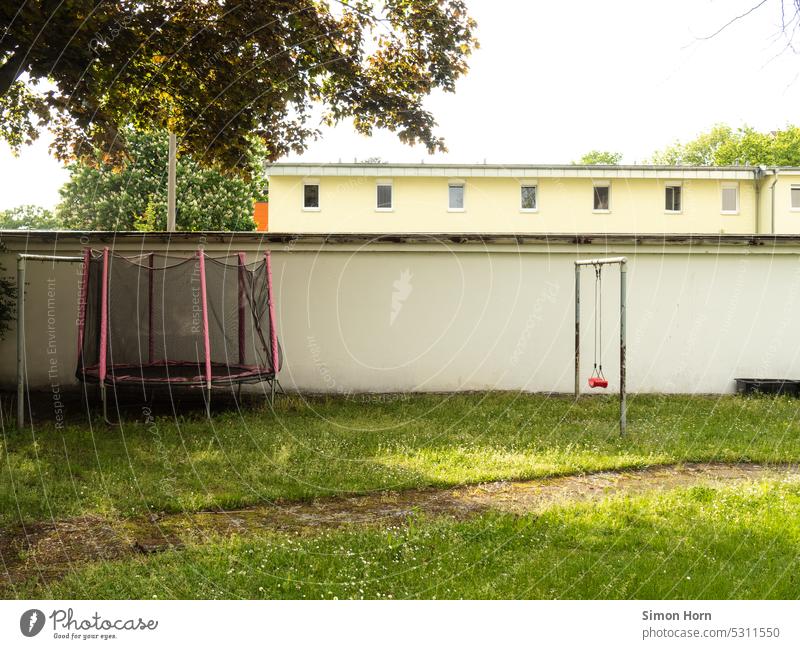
171	183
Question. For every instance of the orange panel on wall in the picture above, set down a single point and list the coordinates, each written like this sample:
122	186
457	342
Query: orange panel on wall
261	215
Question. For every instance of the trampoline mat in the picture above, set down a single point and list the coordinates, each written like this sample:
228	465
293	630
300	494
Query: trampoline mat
179	373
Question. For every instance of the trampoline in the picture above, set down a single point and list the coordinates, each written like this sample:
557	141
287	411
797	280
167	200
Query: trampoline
196	321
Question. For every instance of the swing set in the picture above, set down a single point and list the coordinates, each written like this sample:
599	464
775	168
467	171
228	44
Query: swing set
597	379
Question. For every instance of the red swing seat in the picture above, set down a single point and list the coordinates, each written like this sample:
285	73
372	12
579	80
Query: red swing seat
597	382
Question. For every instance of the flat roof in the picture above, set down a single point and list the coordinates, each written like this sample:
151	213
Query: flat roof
438	170
17	239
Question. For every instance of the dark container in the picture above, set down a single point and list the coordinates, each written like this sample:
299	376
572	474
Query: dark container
788	387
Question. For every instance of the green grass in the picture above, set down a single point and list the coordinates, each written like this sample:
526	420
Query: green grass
701	542
326	447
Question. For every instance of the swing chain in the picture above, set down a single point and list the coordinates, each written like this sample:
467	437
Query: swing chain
598	321
600	317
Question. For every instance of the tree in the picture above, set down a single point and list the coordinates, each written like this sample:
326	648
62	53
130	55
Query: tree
722	146
100	196
28	217
220	73
595	157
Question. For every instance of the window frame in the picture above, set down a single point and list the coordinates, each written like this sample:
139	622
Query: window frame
307	182
792	187
529	210
595	185
455	182
384	182
673	185
722	188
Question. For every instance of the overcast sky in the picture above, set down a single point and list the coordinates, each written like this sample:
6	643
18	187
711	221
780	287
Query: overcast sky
553	80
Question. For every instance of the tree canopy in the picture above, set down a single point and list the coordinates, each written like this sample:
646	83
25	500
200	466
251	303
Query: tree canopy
28	217
595	157
220	73
723	145
100	196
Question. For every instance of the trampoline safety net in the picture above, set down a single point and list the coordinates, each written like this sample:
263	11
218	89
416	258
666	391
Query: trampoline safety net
191	321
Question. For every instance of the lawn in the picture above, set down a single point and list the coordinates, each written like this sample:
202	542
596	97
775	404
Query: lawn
699	542
729	540
326	447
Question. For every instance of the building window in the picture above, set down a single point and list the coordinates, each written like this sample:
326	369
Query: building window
602	198
527	198
673	198
310	196
384	196
455	197
730	199
795	191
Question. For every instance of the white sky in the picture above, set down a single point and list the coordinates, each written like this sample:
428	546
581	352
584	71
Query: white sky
553	80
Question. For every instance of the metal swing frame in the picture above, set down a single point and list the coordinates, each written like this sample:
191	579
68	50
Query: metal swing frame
623	268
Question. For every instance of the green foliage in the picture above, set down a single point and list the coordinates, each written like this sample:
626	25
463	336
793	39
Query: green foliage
22	113
8	294
722	145
595	157
148	221
99	196
28	217
218	74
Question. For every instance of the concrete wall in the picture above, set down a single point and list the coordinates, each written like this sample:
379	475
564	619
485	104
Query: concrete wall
347	204
369	314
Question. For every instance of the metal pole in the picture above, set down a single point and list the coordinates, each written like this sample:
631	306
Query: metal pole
206	337
21	343
171	183
273	331
623	406
151	341
103	371
577	330
241	312
601	260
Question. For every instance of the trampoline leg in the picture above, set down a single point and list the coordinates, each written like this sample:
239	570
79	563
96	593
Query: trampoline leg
104	403
208	402
272	393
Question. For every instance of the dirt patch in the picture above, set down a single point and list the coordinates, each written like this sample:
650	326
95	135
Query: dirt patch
49	550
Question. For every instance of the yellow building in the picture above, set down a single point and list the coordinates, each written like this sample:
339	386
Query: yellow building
368	197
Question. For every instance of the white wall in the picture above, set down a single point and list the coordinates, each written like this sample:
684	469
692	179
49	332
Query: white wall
477	316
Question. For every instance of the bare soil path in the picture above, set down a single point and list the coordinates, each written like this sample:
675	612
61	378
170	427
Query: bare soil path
48	550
